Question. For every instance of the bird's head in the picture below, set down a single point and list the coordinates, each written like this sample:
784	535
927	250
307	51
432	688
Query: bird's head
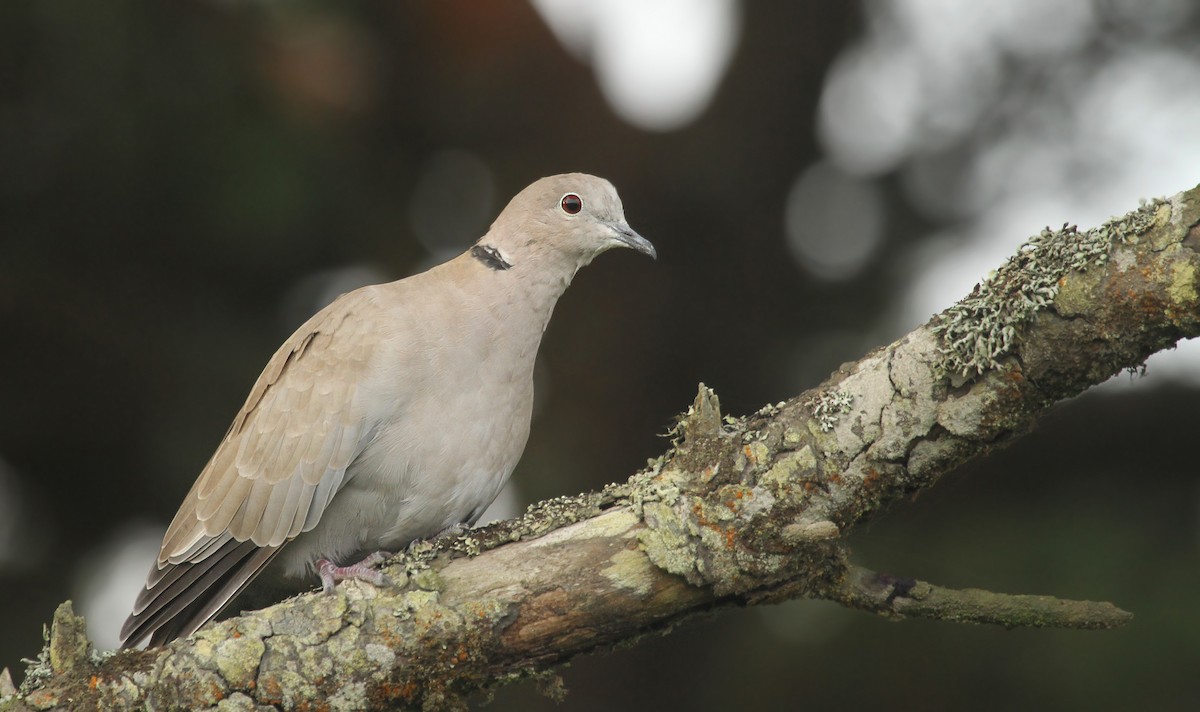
566	219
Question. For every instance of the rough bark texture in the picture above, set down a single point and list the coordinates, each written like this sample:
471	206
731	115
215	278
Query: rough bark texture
738	511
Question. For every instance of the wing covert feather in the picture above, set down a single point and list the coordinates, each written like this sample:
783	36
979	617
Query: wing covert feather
272	476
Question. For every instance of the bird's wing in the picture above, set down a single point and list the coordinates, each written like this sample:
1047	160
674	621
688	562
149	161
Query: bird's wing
282	461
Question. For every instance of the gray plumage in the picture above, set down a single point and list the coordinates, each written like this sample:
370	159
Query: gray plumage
394	413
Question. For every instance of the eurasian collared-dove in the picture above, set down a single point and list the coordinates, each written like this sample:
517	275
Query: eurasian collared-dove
393	414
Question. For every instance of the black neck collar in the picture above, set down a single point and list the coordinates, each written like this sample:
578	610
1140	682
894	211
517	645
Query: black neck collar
490	257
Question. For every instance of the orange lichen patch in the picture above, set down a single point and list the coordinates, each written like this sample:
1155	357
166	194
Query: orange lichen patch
730	534
398	691
271	692
1147	305
473	609
872	479
215	691
738	494
42	699
93	682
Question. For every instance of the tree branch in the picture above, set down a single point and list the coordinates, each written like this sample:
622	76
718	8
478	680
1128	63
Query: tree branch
908	598
737	512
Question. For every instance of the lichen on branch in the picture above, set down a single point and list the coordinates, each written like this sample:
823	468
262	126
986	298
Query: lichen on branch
982	328
738	511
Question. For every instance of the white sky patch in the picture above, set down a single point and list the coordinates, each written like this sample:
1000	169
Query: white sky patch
1032	28
926	69
833	221
1130	136
1178	365
945	268
869	110
108	580
658	62
1141	117
1073	134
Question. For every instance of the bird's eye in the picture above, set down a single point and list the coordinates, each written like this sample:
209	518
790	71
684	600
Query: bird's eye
572	204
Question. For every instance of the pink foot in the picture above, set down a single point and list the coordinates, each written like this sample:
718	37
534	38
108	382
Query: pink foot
364	570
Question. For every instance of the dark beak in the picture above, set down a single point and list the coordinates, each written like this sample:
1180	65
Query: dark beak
626	237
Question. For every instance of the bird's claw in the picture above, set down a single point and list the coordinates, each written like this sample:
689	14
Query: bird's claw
331	574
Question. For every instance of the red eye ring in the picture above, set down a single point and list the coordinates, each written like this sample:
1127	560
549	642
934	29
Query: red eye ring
571	204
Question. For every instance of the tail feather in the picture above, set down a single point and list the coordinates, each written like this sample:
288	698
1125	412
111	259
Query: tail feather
179	598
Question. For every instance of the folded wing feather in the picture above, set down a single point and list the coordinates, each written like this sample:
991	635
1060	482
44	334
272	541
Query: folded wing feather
271	478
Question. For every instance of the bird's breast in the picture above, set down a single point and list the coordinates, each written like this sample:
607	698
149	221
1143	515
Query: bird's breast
450	419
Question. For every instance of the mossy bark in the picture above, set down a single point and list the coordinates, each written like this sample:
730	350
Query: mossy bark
738	511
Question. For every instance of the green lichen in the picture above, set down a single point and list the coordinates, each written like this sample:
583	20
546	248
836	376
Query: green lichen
789	467
828	407
429	580
757	452
667	541
981	329
413	601
771	410
1182	290
38	670
238	658
548	515
237	702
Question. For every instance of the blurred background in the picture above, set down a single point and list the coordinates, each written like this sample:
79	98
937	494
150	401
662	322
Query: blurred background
182	184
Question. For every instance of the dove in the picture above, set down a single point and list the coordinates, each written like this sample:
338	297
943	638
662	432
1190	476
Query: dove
396	413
